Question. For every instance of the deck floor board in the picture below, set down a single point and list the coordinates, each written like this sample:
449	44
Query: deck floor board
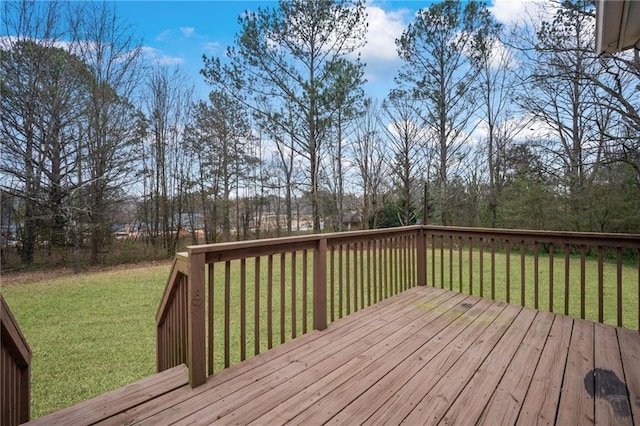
630	354
470	403
359	373
541	400
612	398
425	356
576	402
399	372
506	402
442	395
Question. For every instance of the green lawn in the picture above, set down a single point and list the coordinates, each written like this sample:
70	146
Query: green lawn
96	332
89	333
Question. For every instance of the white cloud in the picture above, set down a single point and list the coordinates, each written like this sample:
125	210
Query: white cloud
533	128
384	28
157	57
7	42
417	132
510	12
211	47
187	31
501	56
163	35
380	53
519	128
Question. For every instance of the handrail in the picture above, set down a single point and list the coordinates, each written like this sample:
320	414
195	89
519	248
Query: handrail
586	238
180	263
15	364
309	238
171	331
206	312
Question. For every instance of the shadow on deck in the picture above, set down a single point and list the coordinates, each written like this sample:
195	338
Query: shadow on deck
424	356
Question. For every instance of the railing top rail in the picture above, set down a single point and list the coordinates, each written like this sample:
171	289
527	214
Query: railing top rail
299	241
12	335
180	264
236	249
355	236
182	255
564	237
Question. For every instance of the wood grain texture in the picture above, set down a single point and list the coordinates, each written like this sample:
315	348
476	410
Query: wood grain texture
424	356
110	404
610	392
576	402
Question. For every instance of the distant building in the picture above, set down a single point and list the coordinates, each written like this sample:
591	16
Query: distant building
351	222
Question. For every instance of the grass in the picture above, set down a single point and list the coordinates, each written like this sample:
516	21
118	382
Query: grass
89	333
96	332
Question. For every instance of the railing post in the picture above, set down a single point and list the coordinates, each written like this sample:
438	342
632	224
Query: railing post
196	353
320	285
421	253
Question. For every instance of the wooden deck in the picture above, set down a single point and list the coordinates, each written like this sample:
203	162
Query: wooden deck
425	356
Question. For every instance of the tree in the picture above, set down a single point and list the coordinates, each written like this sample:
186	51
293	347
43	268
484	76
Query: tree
493	62
348	96
614	199
113	59
369	158
620	84
219	137
42	92
167	103
257	177
40	147
407	142
557	93
527	200
287	56
437	49
207	184
273	125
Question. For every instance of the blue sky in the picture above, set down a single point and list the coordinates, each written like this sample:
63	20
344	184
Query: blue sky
180	32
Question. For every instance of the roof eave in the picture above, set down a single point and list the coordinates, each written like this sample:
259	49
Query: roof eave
617	25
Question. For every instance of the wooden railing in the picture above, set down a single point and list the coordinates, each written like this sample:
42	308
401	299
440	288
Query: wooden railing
172	318
15	370
585	275
226	302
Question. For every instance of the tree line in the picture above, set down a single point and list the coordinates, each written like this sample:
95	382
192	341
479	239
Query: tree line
521	127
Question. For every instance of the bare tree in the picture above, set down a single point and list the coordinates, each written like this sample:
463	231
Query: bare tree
493	62
371	165
168	101
43	90
407	142
559	95
112	55
619	84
